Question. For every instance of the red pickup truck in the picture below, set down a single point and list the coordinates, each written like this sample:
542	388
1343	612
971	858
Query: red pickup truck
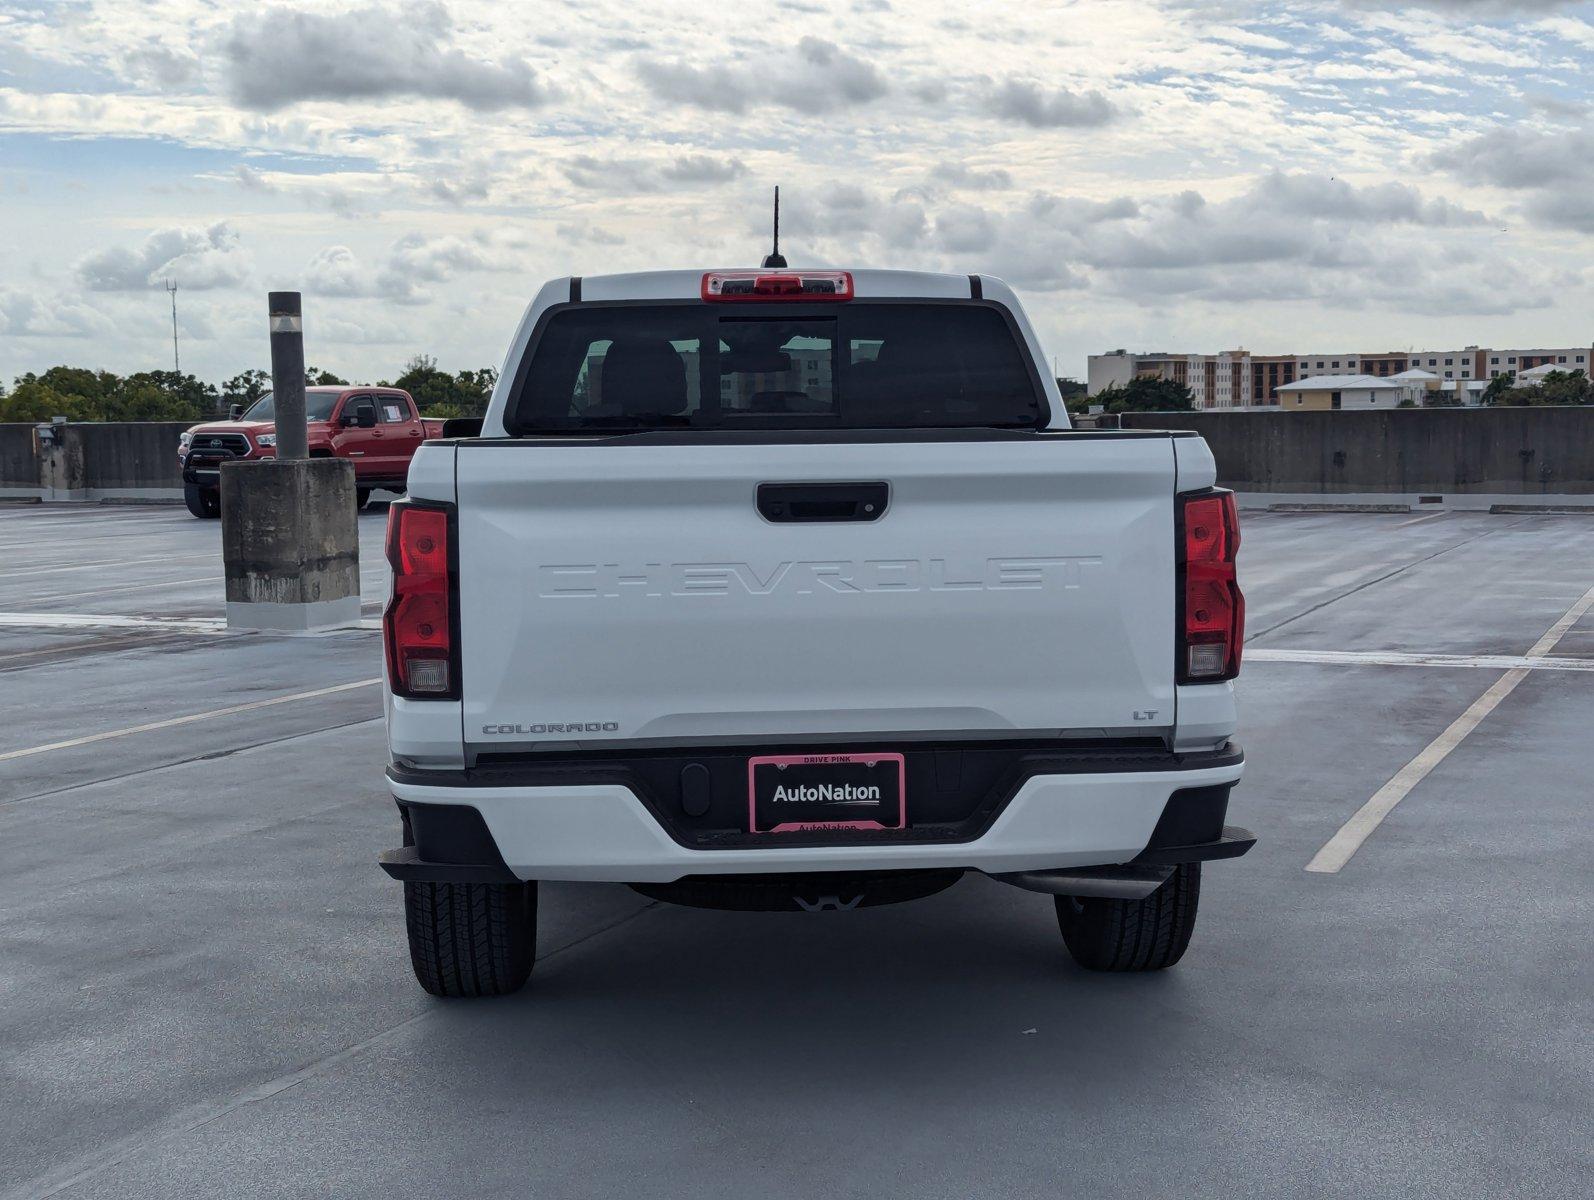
375	428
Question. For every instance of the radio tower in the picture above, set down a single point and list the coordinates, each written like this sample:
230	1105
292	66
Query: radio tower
177	365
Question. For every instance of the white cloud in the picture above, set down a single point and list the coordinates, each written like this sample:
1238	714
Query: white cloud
435	259
413	260
281	56
704	168
335	271
1250	38
1043	108
1554	170
196	259
820	77
27	313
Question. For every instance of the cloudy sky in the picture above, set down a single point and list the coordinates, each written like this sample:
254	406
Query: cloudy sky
1289	176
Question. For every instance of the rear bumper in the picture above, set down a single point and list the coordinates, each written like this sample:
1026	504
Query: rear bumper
605	831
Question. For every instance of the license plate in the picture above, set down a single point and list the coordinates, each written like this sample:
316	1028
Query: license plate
796	792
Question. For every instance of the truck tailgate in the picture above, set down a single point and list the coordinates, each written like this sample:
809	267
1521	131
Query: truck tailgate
616	592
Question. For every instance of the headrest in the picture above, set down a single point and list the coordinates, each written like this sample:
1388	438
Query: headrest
643	377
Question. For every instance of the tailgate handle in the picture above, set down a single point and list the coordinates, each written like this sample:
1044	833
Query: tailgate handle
787	502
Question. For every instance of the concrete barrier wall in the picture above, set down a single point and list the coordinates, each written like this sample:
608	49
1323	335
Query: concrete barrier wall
131	454
92	460
1446	450
1449	450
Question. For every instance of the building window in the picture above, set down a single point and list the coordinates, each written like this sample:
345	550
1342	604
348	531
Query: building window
1434	362
1448	374
1579	358
1511	360
1562	359
1449	362
1495	360
1319	366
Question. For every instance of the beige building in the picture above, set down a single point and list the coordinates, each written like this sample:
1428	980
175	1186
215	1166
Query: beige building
1347	391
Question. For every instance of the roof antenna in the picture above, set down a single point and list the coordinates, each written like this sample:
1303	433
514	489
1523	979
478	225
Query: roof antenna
774	259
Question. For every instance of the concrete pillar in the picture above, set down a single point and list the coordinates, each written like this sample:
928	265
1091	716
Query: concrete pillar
290	544
61	472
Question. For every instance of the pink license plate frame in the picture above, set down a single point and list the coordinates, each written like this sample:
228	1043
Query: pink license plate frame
822	760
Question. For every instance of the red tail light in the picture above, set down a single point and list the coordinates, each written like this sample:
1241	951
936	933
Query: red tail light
1211	608
418	627
777	285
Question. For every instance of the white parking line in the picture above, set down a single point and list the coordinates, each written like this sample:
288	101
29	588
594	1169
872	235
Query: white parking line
1418	658
78	565
29	620
1337	851
1421	519
130	587
192	717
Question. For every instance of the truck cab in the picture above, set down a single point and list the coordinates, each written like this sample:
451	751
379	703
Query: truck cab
795	590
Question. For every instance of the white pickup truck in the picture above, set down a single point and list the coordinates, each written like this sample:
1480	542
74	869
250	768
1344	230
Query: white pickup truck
795	590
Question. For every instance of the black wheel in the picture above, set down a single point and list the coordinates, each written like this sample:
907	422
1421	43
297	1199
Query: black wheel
202	502
361	495
1133	935
471	939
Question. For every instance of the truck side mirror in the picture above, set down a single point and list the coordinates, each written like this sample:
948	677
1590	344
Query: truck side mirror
235	413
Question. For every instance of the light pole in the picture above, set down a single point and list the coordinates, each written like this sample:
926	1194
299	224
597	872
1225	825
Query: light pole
287	375
177	364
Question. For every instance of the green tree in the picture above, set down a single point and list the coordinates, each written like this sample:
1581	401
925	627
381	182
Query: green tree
245	388
1147	394
1557	387
476	389
1440	398
97	390
439	394
162	396
1567	387
316	377
1499	385
32	400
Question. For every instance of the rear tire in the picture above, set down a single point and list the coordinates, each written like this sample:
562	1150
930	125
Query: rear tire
1133	935
471	939
361	495
202	502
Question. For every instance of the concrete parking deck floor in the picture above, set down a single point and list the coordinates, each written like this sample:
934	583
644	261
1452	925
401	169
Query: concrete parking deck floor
204	989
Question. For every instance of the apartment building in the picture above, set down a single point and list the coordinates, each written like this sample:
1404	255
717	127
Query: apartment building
1239	379
1379	365
1514	362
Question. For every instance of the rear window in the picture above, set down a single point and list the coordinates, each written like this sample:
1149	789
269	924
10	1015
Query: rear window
724	366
